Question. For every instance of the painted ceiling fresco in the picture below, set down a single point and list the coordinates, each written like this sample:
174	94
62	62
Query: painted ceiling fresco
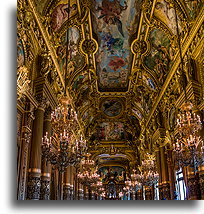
114	23
160	56
164	10
193	7
61	13
75	60
111	131
112	107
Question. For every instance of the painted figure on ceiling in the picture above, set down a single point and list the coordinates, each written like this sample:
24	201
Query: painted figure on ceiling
60	14
110	13
166	13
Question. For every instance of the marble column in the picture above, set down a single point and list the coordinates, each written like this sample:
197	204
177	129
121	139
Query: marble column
172	173
86	193
33	185
46	166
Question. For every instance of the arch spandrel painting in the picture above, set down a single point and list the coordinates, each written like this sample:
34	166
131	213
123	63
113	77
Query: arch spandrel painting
160	56
114	21
60	13
75	60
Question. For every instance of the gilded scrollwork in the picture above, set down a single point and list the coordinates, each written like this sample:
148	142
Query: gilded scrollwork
23	81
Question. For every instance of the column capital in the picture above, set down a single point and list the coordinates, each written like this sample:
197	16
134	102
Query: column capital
47	114
42	102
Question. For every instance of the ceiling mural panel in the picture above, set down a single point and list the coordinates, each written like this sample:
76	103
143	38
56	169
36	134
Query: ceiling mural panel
60	13
149	82
76	60
137	113
80	80
82	98
193	7
40	4
159	58
111	131
112	107
164	10
143	98
114	21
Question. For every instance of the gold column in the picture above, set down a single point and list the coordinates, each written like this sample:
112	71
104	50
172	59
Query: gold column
33	185
66	185
46	166
172	174
165	189
159	169
23	156
53	184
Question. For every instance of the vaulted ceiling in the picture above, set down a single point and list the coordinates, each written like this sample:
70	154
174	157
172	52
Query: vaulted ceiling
119	60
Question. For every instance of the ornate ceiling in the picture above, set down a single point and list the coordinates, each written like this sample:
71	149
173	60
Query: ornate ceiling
120	59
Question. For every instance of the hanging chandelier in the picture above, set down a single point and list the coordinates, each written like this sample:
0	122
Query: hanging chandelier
68	153
89	174
149	175
63	117
188	149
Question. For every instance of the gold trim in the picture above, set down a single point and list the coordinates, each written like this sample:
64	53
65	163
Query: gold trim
34	170
44	174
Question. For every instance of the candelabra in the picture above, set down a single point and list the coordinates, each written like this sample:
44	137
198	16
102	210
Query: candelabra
188	149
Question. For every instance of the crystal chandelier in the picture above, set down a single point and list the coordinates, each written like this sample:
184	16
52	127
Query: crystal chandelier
89	174
63	117
68	153
148	175
188	149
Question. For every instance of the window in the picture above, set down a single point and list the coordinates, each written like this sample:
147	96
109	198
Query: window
180	185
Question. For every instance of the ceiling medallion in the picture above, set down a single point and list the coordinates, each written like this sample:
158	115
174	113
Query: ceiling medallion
112	107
